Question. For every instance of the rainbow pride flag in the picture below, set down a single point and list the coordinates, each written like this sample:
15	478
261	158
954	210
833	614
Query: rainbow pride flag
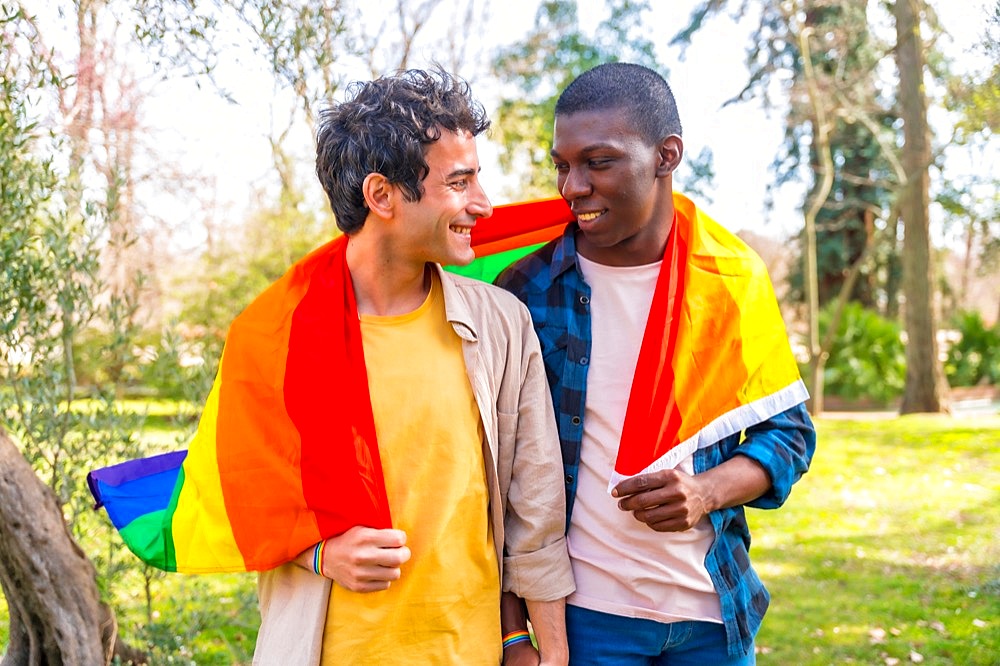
715	357
513	231
286	454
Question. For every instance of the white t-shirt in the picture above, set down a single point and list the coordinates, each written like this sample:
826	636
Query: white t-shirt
621	566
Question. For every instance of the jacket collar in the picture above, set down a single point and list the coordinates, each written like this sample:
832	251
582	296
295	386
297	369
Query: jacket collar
456	307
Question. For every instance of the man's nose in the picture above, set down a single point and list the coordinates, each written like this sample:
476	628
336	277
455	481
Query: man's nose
479	204
574	185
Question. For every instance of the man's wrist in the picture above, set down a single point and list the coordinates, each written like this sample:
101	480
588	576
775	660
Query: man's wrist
523	653
317	557
516	637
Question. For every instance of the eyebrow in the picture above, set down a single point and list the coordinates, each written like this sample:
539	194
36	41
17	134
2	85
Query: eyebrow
464	172
592	148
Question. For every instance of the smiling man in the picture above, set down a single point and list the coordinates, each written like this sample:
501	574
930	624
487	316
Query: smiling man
453	385
660	332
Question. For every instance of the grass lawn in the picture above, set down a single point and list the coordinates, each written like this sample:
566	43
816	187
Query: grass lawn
887	553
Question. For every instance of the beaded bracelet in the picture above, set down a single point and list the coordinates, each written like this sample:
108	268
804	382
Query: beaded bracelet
318	558
515	637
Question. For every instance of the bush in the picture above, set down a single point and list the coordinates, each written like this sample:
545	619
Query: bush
867	359
975	358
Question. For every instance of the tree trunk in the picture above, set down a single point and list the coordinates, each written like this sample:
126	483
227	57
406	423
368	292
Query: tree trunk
925	389
824	183
56	615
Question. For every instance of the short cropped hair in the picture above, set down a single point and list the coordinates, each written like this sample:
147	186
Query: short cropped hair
642	93
385	126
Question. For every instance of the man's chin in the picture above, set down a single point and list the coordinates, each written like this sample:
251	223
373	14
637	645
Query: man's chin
459	259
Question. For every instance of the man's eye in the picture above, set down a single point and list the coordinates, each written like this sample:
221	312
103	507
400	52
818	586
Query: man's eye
561	167
598	164
460	184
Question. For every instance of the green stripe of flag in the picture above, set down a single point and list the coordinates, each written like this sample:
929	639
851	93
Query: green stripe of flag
487	268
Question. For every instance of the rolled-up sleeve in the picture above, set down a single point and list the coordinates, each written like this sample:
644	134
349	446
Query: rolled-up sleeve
784	447
536	558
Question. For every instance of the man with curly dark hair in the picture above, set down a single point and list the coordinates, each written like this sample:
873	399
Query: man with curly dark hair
467	446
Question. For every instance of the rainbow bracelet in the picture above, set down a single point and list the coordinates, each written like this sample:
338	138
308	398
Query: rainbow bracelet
515	637
318	558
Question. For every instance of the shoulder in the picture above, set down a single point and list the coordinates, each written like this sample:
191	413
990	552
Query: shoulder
530	273
733	255
483	299
479	290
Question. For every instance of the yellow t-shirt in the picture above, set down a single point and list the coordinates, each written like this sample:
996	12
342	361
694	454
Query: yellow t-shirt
444	609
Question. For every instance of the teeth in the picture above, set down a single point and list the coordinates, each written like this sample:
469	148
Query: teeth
465	231
587	217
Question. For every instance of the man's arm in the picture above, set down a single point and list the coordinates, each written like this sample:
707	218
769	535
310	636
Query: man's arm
673	501
536	560
362	559
548	623
761	472
548	620
514	618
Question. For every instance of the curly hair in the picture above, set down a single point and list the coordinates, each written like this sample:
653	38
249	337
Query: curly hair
641	92
385	126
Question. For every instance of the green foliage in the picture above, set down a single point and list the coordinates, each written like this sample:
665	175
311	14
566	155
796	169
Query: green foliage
975	358
301	41
976	96
867	359
50	291
54	308
535	70
235	271
203	620
181	369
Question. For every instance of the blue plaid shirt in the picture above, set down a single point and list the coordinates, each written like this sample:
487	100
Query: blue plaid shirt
550	283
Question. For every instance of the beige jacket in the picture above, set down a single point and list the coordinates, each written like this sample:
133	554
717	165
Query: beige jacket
527	496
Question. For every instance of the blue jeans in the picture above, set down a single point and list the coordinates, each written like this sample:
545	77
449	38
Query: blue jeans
612	640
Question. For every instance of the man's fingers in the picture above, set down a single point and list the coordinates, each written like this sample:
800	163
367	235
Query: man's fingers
372	559
366	585
631	486
387	538
648	499
390	557
365	559
666	517
646	482
376	574
373	576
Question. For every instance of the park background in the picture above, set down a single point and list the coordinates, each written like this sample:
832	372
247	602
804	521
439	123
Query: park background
156	173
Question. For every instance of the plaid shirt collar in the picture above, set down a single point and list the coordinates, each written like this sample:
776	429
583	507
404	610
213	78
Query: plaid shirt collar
564	255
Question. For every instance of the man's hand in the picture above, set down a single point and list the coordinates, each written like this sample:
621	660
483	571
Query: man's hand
521	654
364	559
672	501
667	501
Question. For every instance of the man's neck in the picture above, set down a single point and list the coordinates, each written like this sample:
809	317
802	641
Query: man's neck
384	283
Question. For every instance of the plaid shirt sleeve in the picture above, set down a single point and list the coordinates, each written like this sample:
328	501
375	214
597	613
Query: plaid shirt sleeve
784	447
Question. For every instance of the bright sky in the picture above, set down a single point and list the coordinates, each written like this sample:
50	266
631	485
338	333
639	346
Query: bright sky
229	143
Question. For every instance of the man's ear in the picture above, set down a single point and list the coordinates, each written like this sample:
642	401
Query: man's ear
670	153
380	195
